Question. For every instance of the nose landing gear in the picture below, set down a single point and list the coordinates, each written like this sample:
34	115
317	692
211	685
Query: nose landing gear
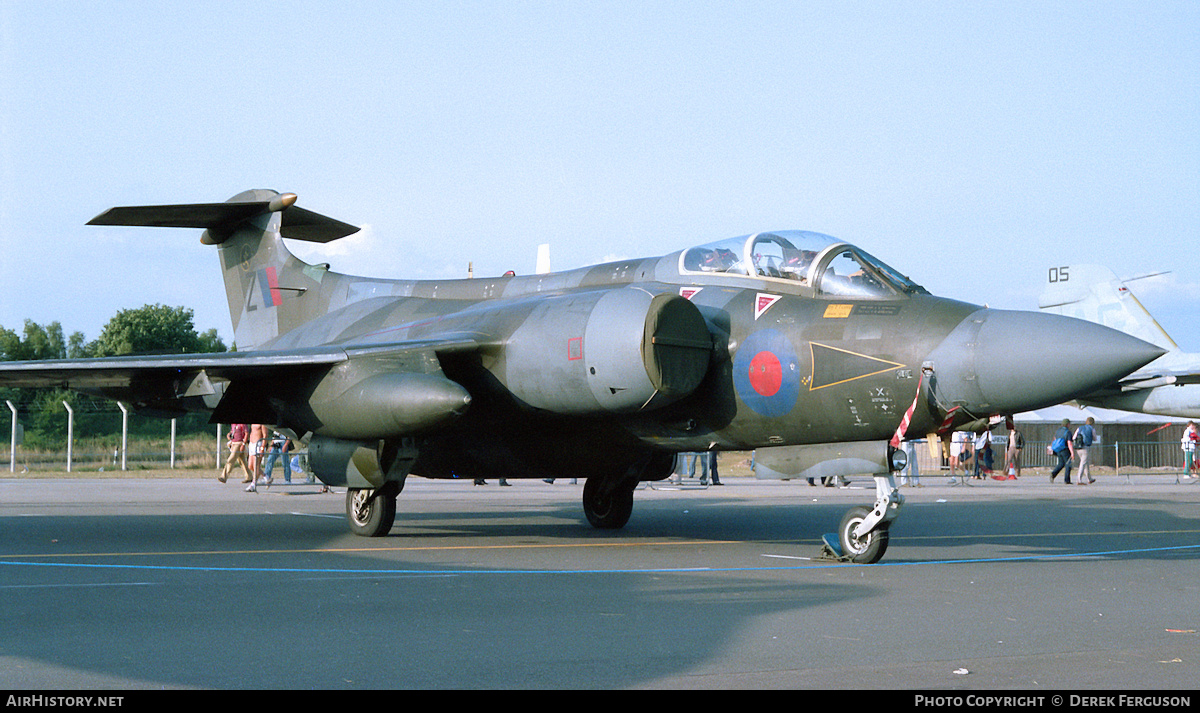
862	536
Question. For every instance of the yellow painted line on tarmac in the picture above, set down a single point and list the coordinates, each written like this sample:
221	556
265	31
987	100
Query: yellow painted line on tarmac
580	545
590	545
576	545
352	550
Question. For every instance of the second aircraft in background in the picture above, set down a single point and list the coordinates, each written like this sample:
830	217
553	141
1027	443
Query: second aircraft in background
1169	385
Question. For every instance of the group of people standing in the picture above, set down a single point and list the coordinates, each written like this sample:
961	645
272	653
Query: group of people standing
974	454
1071	447
685	465
256	449
972	451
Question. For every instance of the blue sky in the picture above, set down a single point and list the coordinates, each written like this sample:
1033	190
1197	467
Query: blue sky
970	145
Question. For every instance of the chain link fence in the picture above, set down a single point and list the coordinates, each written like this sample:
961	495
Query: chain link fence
1124	458
105	454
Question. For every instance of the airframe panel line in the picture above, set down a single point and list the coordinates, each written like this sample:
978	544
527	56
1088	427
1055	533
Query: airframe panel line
659	570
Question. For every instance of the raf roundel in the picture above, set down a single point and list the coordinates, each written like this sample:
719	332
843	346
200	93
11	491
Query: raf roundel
766	373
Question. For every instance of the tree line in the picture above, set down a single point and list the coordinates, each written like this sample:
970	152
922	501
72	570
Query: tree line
151	329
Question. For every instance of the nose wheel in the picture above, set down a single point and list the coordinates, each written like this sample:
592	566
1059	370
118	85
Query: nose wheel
862	536
864	549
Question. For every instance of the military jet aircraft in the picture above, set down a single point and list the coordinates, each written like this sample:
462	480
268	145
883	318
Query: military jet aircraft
1170	385
804	348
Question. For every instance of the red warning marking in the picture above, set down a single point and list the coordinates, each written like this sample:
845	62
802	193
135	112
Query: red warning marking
273	283
574	348
763	302
903	427
766	373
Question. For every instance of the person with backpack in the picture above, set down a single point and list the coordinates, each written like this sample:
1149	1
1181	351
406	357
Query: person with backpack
1085	435
1061	447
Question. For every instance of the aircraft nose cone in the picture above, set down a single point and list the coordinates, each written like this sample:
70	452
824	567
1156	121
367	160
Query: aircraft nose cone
999	361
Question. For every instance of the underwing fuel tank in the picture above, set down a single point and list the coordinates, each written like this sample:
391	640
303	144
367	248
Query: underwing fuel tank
611	351
388	404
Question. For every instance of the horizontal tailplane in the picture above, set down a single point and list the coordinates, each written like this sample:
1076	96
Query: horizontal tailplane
220	219
269	291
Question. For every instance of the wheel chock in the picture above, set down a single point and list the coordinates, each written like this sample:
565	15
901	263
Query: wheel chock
831	548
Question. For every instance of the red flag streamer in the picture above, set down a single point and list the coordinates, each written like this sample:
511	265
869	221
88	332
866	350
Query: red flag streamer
903	427
947	421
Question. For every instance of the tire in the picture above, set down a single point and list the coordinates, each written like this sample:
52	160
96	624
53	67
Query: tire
868	550
370	517
607	511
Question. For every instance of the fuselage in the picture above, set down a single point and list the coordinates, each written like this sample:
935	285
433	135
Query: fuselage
789	362
807	340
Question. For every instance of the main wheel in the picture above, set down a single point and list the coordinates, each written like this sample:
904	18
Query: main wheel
370	516
607	511
862	550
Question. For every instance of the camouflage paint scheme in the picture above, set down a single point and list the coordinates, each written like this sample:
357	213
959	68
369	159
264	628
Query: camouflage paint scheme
803	348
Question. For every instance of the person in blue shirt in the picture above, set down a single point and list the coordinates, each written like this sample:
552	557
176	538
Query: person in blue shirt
1062	448
278	449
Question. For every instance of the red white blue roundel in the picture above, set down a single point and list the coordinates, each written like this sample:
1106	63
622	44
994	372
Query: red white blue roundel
766	373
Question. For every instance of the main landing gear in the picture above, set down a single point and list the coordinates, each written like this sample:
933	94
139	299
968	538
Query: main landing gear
608	498
862	536
372	511
608	504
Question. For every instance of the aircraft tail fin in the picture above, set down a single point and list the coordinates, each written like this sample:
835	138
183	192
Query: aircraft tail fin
266	286
1094	293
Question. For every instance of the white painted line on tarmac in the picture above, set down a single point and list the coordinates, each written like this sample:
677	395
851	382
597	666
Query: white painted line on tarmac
78	586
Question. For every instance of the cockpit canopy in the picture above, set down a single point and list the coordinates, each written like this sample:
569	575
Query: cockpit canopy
818	262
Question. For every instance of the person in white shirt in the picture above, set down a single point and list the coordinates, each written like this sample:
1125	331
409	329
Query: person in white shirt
1188	443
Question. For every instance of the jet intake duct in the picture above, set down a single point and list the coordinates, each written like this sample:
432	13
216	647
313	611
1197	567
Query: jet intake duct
615	351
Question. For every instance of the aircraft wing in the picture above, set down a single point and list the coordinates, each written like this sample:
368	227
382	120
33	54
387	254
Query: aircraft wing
131	371
1149	379
247	387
